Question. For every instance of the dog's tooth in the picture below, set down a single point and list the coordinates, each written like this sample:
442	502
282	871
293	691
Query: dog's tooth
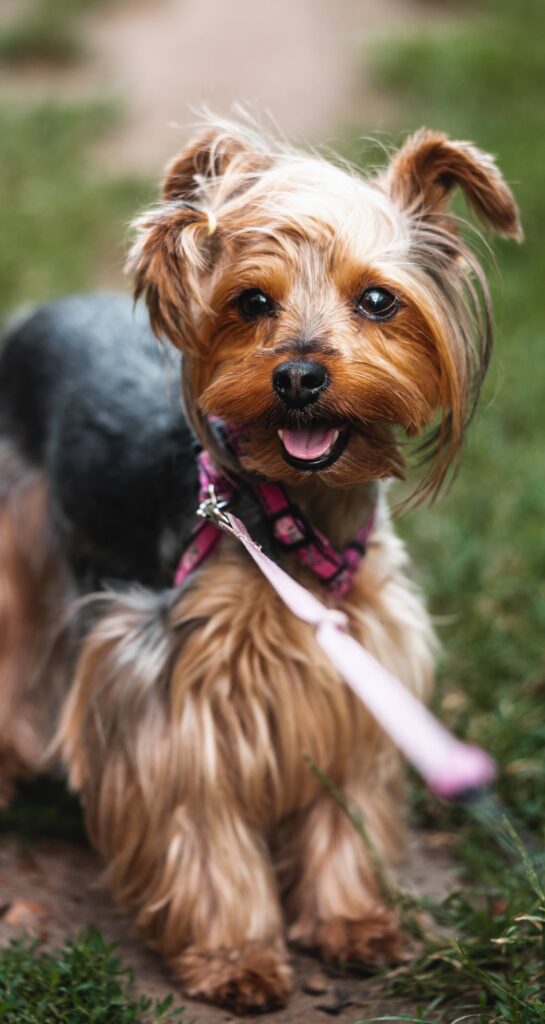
335	436
280	434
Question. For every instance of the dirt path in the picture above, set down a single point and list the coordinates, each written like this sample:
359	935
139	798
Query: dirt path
53	889
304	62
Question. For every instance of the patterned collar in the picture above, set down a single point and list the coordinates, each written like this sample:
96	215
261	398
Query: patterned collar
286	523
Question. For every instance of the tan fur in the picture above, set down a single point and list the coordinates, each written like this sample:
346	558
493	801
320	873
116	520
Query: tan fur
193	715
429	166
195	781
32	585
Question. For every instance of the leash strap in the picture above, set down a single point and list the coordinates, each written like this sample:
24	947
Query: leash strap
451	768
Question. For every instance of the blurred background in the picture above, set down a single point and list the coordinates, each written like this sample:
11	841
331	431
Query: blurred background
95	96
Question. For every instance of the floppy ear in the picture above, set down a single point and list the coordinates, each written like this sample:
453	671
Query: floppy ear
179	241
208	158
166	261
429	166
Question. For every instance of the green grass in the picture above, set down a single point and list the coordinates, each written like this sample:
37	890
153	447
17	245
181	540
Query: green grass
64	224
481	552
491	965
46	31
84	982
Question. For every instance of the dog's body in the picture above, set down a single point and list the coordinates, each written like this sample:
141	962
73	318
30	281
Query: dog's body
183	715
90	399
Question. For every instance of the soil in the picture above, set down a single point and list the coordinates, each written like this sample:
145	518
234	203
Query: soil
53	889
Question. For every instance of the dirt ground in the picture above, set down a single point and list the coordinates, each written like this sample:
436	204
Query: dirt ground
53	889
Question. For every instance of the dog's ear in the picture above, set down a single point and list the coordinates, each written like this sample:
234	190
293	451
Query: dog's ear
429	166
179	241
208	159
167	260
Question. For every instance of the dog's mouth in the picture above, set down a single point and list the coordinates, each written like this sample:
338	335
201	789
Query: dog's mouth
313	447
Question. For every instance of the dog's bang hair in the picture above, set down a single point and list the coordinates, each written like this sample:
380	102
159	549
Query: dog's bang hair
267	186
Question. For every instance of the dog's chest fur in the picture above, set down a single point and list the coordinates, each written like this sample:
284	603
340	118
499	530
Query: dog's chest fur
250	669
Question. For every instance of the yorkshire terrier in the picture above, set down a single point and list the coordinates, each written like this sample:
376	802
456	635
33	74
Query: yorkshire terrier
324	319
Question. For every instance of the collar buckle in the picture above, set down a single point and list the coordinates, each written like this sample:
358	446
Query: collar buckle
213	508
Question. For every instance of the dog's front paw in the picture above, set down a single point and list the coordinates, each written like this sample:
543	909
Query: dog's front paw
374	939
244	980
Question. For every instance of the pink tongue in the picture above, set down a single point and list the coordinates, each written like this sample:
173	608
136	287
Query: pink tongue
308	442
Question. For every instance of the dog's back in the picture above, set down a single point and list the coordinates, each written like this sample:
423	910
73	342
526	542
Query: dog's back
88	396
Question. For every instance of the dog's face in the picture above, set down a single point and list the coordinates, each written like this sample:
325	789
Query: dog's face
327	316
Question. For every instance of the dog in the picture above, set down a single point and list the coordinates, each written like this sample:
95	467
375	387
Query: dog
320	320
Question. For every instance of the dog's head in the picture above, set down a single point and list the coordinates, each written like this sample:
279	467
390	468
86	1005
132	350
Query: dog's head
330	316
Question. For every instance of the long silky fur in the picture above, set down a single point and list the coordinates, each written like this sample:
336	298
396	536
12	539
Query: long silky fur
190	711
199	735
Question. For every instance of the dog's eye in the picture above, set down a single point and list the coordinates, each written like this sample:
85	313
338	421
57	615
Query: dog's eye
377	304
253	304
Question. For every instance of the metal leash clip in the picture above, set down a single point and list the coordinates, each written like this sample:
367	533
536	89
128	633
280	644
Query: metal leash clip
213	508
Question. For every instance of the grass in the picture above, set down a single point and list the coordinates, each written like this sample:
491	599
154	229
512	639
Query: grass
492	966
65	223
48	31
481	552
84	982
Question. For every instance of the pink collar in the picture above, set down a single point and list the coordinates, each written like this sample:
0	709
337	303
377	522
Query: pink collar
287	524
451	769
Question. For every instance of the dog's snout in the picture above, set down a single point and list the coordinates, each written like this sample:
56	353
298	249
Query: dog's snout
299	382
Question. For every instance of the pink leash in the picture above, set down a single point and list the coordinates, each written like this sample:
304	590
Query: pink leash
451	768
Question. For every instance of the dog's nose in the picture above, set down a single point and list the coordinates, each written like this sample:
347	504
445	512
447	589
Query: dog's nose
299	382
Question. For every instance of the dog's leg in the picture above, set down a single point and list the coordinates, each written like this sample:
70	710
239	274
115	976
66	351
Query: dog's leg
161	806
32	583
333	898
227	903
